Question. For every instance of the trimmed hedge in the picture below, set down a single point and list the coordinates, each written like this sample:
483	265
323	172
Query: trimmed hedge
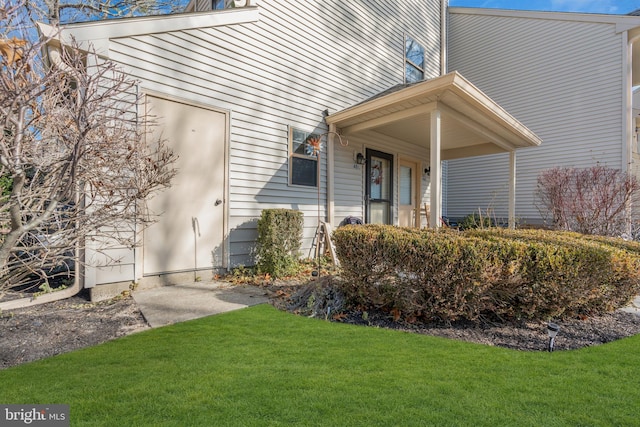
495	273
279	241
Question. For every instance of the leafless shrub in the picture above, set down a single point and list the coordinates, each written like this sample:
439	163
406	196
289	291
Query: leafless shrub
589	201
75	158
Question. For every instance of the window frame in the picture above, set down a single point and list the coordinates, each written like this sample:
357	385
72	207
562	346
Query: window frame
226	4
409	62
293	154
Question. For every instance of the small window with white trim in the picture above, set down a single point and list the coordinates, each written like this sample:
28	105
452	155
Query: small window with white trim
303	159
413	60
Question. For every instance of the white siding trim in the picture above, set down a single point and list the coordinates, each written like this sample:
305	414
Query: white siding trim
628	122
624	21
443	36
100	32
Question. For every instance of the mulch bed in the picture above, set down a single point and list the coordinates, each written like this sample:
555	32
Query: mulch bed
312	298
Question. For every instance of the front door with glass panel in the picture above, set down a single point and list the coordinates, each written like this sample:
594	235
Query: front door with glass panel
379	187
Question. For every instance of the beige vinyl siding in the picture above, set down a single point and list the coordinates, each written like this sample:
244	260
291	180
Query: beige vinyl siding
299	59
348	186
108	255
562	78
203	5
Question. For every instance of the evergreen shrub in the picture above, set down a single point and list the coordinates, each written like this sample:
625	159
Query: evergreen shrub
279	241
474	220
490	273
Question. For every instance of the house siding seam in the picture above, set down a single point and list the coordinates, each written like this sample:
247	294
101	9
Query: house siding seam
297	60
561	79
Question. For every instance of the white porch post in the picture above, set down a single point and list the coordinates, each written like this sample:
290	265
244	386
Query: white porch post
436	172
512	189
331	174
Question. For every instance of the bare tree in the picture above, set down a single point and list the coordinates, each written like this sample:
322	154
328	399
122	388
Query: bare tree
58	11
75	158
593	200
68	11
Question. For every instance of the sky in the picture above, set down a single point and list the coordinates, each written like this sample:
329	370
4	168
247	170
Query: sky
586	6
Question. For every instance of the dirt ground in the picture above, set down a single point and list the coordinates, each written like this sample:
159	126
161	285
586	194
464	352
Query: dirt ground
42	331
59	327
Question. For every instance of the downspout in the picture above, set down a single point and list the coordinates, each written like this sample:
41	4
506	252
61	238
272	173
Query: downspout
55	59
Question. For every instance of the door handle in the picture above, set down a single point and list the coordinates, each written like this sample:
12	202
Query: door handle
218	202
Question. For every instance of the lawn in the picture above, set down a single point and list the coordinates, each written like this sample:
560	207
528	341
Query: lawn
259	366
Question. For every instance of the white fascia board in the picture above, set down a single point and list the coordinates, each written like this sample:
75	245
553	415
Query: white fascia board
437	87
622	22
402	96
98	33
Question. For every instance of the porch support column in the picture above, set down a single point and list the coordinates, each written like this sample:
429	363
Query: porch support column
512	189
331	174
436	171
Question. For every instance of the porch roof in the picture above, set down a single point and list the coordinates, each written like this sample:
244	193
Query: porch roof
472	123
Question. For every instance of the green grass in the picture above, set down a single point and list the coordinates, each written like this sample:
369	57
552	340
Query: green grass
259	366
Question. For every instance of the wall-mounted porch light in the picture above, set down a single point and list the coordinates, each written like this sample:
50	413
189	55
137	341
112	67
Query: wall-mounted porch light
427	171
360	160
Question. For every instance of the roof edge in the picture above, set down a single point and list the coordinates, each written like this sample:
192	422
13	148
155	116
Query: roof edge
452	81
99	32
601	18
413	91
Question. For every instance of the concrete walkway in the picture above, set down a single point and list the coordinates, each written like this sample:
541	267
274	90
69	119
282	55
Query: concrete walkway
172	304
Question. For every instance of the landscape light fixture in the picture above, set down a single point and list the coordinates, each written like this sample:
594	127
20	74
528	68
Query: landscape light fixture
552	329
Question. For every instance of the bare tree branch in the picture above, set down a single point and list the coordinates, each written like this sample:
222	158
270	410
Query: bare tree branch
593	200
77	163
57	11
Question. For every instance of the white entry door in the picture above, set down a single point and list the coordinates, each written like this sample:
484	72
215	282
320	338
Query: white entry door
190	232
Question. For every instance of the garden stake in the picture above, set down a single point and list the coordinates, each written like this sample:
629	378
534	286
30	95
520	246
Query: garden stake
552	329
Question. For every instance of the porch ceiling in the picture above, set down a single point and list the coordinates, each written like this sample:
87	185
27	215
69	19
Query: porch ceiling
472	123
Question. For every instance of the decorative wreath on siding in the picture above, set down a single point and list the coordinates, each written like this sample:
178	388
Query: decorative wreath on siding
376	174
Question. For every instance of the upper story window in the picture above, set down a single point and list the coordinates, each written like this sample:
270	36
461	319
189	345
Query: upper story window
413	61
208	5
220	4
303	159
